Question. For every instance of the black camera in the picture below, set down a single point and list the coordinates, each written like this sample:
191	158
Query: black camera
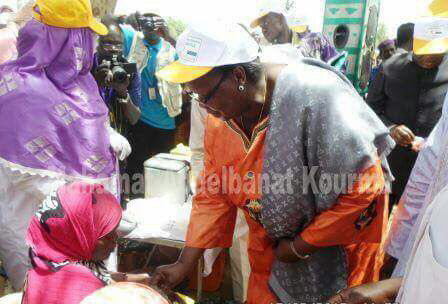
121	69
146	23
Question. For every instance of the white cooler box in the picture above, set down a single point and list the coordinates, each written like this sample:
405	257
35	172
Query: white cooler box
167	175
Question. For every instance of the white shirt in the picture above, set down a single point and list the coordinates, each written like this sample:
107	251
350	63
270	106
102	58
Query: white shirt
426	275
428	177
198	116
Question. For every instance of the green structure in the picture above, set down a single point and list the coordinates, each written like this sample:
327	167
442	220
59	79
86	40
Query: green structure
351	26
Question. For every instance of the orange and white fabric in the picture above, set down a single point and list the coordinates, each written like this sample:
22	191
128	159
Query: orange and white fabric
226	186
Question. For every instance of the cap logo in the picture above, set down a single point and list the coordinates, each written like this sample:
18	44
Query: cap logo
191	53
436	31
191	49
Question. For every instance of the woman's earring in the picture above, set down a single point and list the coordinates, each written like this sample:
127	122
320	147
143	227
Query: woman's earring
241	88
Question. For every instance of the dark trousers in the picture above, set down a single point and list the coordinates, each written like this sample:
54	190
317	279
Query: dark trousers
146	141
401	162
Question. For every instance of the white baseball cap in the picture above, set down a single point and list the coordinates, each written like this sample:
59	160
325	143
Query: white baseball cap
204	46
431	36
272	6
296	18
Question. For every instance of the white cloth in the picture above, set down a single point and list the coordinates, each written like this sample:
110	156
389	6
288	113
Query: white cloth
239	259
120	145
9	34
20	196
15	298
428	177
24	13
280	54
198	116
426	278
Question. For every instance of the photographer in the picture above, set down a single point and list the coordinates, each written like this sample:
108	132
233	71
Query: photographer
118	81
152	49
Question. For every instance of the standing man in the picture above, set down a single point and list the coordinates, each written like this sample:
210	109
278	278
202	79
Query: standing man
405	35
387	49
122	96
407	94
119	85
279	27
429	175
161	101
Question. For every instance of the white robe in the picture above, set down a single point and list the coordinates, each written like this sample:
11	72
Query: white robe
426	275
428	177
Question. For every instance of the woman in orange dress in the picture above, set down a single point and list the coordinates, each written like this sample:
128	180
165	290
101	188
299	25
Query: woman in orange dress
218	63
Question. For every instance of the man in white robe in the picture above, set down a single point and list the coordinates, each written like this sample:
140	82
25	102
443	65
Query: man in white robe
428	177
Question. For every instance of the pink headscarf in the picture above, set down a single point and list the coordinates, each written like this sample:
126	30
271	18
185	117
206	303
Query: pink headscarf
63	236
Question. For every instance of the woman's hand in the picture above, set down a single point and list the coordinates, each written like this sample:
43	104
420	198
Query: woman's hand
169	276
402	135
379	293
285	253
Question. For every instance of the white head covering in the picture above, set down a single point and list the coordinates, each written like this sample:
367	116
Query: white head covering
8	8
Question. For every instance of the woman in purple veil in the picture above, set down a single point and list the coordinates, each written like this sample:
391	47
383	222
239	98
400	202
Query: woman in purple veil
54	126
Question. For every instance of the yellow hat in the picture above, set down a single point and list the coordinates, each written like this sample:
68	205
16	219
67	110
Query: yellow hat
439	8
177	72
299	28
68	14
258	21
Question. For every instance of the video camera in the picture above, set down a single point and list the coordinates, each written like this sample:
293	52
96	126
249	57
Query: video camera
146	23
121	69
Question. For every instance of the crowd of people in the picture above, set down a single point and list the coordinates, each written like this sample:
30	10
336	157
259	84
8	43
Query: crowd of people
283	148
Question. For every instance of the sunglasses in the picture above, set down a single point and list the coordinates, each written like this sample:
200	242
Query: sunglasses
210	95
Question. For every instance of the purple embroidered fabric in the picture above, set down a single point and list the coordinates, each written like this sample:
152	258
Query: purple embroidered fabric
52	118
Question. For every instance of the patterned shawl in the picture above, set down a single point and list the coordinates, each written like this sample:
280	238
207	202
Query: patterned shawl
319	126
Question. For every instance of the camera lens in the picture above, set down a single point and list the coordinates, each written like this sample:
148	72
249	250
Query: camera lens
147	23
119	75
